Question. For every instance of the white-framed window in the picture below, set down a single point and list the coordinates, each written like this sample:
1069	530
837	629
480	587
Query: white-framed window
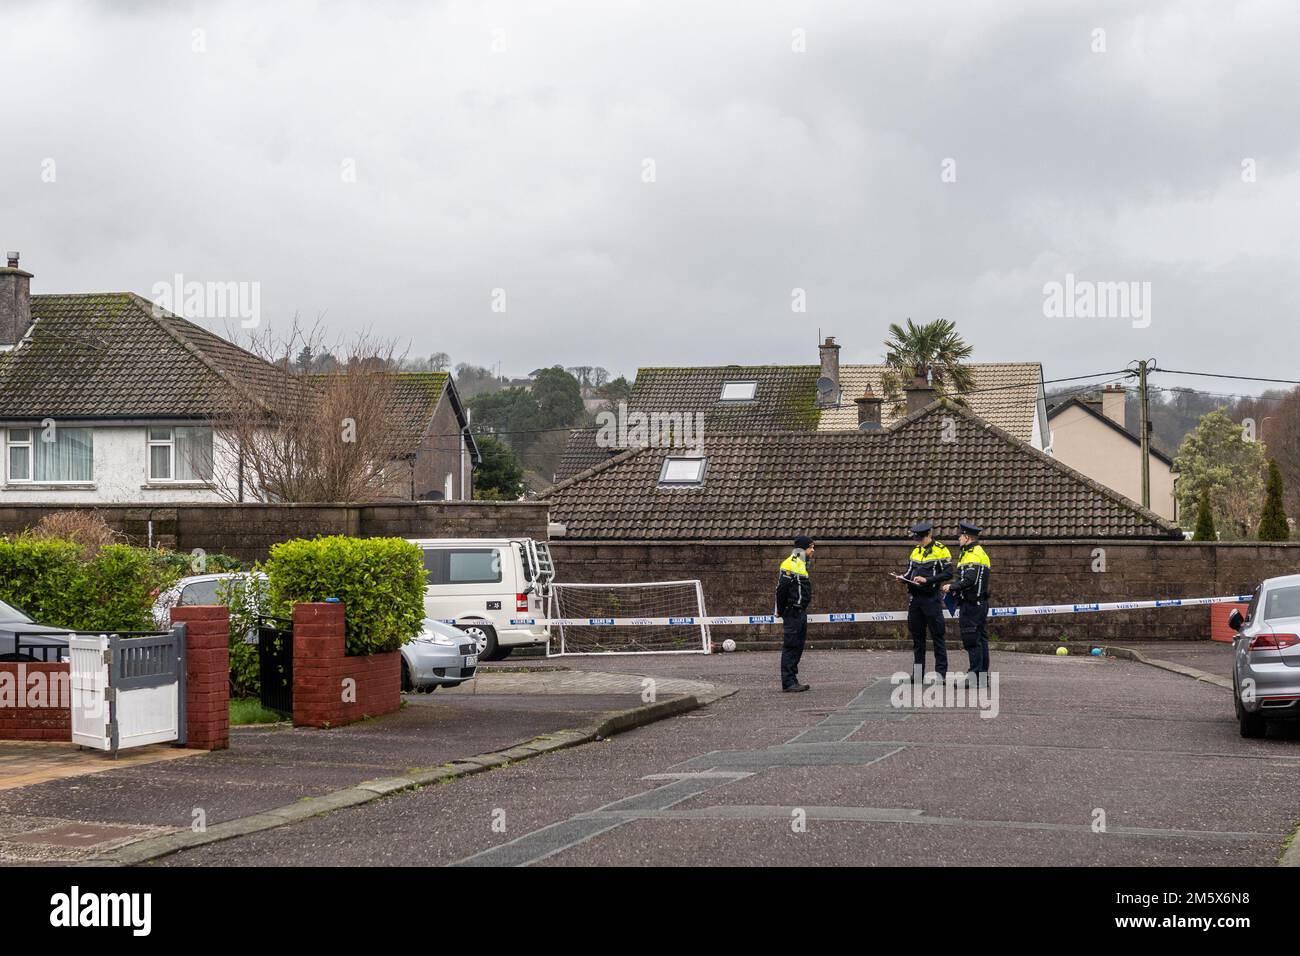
738	391
51	455
682	472
183	453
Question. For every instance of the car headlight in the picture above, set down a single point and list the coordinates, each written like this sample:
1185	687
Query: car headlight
436	637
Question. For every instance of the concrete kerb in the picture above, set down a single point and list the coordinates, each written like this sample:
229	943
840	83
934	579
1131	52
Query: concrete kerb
370	790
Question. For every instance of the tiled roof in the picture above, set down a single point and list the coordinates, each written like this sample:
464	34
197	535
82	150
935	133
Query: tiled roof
1005	394
415	398
851	485
1002	393
110	355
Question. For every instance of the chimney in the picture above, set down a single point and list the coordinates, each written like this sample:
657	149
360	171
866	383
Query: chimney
15	302
919	394
1112	403
828	384
868	410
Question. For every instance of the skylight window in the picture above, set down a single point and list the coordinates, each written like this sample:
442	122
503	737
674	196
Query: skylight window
682	472
738	391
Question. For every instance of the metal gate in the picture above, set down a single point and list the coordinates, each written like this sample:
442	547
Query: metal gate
275	664
128	690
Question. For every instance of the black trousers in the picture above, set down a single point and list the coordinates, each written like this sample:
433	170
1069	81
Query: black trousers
795	627
974	635
926	613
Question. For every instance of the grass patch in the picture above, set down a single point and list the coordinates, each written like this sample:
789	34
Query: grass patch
249	710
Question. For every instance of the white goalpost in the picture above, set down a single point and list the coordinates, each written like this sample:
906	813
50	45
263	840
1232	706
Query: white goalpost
654	617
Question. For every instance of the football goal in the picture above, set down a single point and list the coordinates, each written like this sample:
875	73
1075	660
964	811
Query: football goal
656	617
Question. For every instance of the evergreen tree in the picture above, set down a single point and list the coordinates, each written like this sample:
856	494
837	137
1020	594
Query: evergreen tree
1272	523
1205	521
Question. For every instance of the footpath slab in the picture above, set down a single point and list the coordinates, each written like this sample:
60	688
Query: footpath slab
270	769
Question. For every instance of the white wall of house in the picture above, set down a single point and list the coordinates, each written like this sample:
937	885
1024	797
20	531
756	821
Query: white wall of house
1110	458
119	472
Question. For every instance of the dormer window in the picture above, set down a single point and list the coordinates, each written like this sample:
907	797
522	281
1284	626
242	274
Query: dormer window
738	391
682	472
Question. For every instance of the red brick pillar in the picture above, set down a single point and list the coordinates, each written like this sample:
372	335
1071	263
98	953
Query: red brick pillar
330	688
207	675
319	644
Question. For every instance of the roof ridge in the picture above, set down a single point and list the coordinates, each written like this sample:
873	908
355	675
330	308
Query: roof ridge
1056	463
156	312
626	455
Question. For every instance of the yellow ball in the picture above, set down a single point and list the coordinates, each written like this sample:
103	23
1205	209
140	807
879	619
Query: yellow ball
1062	651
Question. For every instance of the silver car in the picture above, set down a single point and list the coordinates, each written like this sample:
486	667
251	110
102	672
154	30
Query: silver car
439	656
1266	656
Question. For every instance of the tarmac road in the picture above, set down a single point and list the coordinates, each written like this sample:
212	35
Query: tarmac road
839	776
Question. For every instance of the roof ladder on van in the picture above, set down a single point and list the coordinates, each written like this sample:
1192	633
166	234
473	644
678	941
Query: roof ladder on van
542	558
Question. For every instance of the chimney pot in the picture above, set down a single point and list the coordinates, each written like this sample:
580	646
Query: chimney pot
1113	398
919	394
829	353
15	302
868	410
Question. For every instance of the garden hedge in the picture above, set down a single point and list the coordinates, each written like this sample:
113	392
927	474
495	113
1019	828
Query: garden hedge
55	583
379	580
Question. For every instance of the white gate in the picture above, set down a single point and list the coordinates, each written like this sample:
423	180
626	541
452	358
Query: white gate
127	691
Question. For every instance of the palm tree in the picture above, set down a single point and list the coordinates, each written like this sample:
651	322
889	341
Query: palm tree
933	351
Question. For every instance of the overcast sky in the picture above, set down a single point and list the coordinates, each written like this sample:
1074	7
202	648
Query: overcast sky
791	146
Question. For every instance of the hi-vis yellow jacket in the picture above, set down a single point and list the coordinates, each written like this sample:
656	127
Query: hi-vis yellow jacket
934	563
793	585
973	570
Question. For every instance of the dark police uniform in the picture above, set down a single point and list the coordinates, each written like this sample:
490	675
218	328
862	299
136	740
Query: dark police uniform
971	589
793	594
925	611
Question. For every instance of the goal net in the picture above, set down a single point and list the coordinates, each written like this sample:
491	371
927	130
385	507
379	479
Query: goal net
658	617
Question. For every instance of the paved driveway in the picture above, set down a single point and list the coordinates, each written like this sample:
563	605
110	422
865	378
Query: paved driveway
840	776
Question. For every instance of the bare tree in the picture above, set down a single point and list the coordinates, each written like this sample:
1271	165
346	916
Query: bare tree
329	436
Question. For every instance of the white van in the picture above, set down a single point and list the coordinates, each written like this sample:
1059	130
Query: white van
481	584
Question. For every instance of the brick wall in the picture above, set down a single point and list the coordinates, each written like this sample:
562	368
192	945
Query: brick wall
207	675
247	531
207	700
321	669
46	689
740	579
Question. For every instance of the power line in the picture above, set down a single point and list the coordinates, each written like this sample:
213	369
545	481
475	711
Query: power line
1243	378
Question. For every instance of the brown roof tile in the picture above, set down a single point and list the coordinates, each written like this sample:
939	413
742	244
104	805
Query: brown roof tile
851	485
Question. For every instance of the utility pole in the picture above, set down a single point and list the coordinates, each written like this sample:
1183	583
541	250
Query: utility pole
1144	430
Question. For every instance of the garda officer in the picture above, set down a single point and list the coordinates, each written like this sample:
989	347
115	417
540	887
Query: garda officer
793	594
971	588
928	567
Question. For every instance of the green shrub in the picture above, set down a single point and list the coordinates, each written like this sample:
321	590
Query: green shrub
246	597
57	583
379	580
183	564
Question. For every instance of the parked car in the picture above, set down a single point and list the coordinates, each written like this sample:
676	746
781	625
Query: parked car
22	639
439	656
481	584
198	589
1266	656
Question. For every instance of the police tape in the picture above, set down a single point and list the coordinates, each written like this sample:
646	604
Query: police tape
866	617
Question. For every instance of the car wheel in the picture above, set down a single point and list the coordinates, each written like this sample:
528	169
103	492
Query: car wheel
406	678
1253	726
485	638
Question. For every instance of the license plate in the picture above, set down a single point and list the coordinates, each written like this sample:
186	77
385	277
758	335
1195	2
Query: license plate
471	660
